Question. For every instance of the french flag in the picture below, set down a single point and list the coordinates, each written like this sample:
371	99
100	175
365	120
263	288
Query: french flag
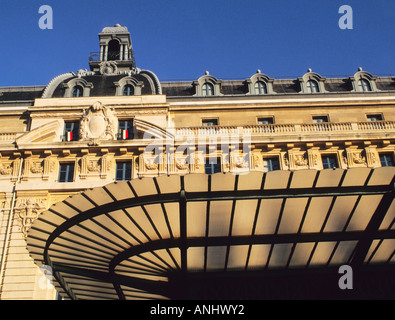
125	134
69	136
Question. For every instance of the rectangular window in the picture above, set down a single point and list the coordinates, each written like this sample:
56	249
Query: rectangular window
268	120
374	117
320	119
209	122
66	172
125	129
71	131
329	161
212	166
124	171
271	164
386	160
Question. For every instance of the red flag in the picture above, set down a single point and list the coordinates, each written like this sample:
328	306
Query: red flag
125	134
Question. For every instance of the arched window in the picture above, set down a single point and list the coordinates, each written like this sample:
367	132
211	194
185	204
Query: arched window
77	92
207	89
128	90
312	86
114	49
364	85
260	87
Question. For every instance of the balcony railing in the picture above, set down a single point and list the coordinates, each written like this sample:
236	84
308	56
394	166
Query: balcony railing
281	129
111	56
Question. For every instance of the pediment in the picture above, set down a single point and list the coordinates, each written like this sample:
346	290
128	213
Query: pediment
49	132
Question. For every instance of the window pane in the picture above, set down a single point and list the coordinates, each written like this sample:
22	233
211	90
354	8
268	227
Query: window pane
271	164
66	172
312	86
320	119
212	166
125	129
123	171
374	117
364	85
128	90
209	122
77	91
260	87
207	89
386	160
72	127
265	120
329	162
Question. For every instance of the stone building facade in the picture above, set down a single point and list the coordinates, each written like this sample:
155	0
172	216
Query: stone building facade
119	122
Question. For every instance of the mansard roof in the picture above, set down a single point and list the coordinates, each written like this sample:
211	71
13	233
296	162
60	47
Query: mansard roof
105	85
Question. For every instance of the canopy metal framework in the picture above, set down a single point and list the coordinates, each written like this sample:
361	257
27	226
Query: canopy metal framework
162	237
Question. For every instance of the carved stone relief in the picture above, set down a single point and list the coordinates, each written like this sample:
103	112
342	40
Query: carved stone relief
98	123
28	211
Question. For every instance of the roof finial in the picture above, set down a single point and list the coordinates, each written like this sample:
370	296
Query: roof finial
360	69
258	71
309	70
207	73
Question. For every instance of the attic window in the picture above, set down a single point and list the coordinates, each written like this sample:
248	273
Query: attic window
260	87
312	86
77	92
364	85
128	90
207	89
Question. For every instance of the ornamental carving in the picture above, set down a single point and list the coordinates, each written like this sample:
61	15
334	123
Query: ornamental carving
98	123
300	160
182	164
108	67
5	170
36	167
28	211
150	163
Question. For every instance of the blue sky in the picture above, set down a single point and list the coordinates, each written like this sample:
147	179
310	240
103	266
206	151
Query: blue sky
181	39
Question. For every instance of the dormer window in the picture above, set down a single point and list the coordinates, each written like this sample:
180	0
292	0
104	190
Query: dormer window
260	87
207	89
260	84
128	86
312	82
207	86
128	90
77	92
77	88
363	81
312	86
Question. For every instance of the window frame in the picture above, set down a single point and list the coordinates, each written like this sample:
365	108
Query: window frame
130	131
215	167
379	115
260	87
75	130
126	172
80	89
271	120
310	87
318	117
386	154
206	120
269	159
69	174
326	163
